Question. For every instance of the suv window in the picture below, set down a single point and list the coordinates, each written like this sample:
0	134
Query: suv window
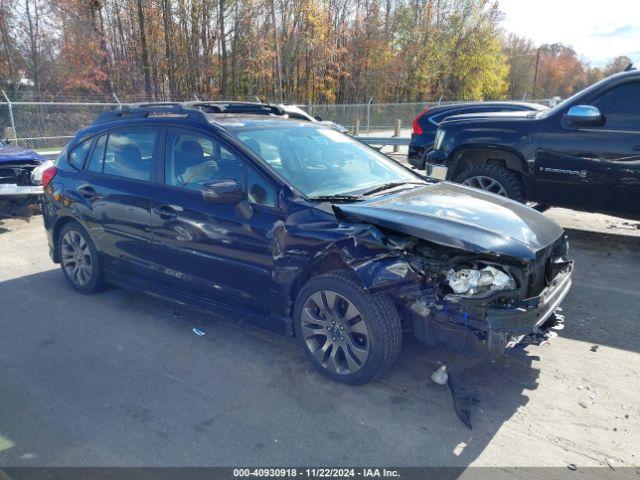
78	155
126	153
620	106
260	191
194	159
97	157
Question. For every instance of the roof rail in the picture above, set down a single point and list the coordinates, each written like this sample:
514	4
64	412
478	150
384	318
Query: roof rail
236	107
146	110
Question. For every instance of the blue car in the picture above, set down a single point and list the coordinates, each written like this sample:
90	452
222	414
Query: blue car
300	229
20	189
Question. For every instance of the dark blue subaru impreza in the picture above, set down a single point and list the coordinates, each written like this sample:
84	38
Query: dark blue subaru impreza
300	229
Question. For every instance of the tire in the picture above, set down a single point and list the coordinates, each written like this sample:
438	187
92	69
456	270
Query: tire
508	180
375	328
75	249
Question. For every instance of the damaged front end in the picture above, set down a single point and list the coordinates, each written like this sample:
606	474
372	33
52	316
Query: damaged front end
478	304
20	188
474	271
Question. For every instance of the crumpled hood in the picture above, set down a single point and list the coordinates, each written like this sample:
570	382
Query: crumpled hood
461	217
13	153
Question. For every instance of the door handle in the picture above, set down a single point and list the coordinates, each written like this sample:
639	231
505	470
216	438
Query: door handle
87	191
167	211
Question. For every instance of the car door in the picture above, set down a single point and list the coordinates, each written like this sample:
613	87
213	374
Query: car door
219	251
114	190
594	168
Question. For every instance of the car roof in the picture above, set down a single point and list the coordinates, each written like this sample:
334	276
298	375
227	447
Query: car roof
234	121
456	106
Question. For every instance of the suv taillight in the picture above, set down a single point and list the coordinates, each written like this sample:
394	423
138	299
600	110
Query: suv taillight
417	128
48	175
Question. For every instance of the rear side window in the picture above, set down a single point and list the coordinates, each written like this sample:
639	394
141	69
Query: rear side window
621	106
125	153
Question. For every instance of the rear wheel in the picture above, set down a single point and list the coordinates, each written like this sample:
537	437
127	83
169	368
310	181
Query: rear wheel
494	179
79	259
348	334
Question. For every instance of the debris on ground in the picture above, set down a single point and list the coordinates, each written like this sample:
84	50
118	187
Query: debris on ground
198	332
594	348
440	376
572	466
582	404
611	463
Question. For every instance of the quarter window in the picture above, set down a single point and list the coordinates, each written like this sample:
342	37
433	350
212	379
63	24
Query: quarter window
259	191
78	155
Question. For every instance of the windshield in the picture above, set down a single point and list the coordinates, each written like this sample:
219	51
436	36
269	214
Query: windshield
586	93
320	161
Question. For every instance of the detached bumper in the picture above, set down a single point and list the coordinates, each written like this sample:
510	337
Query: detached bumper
507	327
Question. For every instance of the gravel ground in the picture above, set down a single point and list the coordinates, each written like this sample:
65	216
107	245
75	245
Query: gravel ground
120	379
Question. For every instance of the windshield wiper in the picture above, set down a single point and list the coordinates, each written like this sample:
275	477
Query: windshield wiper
337	197
387	186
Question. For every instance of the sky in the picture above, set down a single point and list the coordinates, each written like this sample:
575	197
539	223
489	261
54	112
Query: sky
597	30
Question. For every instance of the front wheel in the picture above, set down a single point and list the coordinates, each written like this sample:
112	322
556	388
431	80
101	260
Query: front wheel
493	178
348	334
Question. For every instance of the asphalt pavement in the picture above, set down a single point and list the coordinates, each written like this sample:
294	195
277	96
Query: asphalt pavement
120	379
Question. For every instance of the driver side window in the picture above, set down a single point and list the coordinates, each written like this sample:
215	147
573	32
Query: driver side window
194	159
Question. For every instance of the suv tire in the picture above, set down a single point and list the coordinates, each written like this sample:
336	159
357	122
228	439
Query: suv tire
347	333
79	259
507	182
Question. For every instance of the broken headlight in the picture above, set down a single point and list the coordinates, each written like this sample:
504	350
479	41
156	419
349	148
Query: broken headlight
473	280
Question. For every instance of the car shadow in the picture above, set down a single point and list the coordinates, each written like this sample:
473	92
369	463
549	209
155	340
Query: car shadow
121	378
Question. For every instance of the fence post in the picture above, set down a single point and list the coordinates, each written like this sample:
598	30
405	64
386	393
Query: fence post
356	131
117	100
310	107
11	119
369	115
396	148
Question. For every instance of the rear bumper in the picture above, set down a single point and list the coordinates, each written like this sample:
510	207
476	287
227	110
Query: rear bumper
13	190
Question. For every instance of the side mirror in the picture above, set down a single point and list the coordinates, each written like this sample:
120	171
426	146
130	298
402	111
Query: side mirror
584	116
223	191
318	118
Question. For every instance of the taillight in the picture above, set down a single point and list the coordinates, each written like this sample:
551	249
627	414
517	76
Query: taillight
417	128
48	175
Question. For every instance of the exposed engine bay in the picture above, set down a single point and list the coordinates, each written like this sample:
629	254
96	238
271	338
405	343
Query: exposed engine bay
20	188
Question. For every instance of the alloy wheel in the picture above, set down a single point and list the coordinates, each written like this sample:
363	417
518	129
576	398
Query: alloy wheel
486	183
335	332
76	258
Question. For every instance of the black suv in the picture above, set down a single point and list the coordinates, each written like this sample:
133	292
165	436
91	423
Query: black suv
298	228
426	123
582	154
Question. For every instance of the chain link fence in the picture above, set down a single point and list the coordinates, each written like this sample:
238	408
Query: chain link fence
48	126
